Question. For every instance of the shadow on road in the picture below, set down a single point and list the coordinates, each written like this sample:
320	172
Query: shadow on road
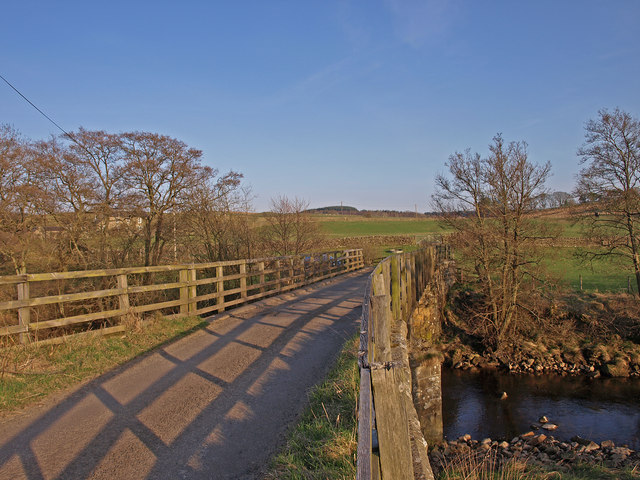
215	404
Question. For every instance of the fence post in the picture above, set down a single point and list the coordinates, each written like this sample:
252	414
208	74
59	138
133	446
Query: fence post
261	270
220	287
243	279
395	287
183	277
381	323
193	289
24	313
123	298
278	276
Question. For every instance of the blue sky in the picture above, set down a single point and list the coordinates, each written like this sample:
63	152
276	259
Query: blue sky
356	101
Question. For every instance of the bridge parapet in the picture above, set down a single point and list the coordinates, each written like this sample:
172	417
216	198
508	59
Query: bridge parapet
390	441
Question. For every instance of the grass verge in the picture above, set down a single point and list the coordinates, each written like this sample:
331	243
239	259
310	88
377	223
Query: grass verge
324	442
28	373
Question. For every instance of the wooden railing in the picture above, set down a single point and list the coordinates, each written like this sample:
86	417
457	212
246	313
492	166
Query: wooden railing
53	305
394	289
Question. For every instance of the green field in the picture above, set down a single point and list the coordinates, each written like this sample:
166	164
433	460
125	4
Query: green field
607	275
356	226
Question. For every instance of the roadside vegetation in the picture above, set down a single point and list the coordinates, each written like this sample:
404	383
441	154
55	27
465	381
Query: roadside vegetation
28	373
472	466
323	444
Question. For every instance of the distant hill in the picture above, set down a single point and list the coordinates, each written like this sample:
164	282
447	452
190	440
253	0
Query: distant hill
347	210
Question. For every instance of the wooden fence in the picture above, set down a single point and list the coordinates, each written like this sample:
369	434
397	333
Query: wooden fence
392	293
47	307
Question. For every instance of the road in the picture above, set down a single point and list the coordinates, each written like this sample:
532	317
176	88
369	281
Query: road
213	405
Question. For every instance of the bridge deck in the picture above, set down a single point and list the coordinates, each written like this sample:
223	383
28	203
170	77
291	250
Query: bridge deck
215	404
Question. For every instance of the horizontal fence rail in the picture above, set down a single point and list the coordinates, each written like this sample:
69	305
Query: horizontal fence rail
392	293
49	306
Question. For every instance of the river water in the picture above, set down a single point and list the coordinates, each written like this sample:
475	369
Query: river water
597	409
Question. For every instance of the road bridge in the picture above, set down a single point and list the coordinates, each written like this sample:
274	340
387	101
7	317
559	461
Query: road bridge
213	405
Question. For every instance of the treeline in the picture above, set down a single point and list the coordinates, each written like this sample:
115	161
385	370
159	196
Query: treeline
93	199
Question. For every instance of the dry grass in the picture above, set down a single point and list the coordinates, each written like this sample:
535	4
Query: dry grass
29	373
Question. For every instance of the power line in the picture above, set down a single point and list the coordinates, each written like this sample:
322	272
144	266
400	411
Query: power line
33	105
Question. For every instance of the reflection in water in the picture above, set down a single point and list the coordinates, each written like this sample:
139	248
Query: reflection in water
597	409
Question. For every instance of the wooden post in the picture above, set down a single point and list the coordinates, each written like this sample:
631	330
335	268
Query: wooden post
261	270
193	289
183	277
392	424
243	279
24	313
278	276
292	271
395	287
580	282
381	324
364	426
220	287
123	298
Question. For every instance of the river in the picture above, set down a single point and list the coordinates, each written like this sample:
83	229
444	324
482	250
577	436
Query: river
597	409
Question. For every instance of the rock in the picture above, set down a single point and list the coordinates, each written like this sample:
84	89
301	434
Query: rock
607	444
550	426
504	445
591	446
485	441
527	435
538	439
543	419
504	396
579	440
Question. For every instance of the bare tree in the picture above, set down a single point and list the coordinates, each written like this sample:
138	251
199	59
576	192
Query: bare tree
161	172
290	228
486	202
100	154
20	193
611	179
212	213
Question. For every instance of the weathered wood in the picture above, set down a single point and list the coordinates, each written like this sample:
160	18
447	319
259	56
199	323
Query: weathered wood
261	279
13	279
13	329
392	426
364	426
381	326
379	287
123	298
24	313
87	317
278	274
395	287
243	280
184	292
70	297
187	286
193	289
220	287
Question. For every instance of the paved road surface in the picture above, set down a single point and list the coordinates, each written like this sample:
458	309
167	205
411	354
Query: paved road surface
213	405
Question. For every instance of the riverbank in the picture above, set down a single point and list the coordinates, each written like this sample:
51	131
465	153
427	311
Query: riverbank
574	334
538	451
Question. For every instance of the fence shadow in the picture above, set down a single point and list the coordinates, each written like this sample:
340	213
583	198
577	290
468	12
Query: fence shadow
214	404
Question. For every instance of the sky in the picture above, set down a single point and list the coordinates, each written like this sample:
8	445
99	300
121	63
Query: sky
352	101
